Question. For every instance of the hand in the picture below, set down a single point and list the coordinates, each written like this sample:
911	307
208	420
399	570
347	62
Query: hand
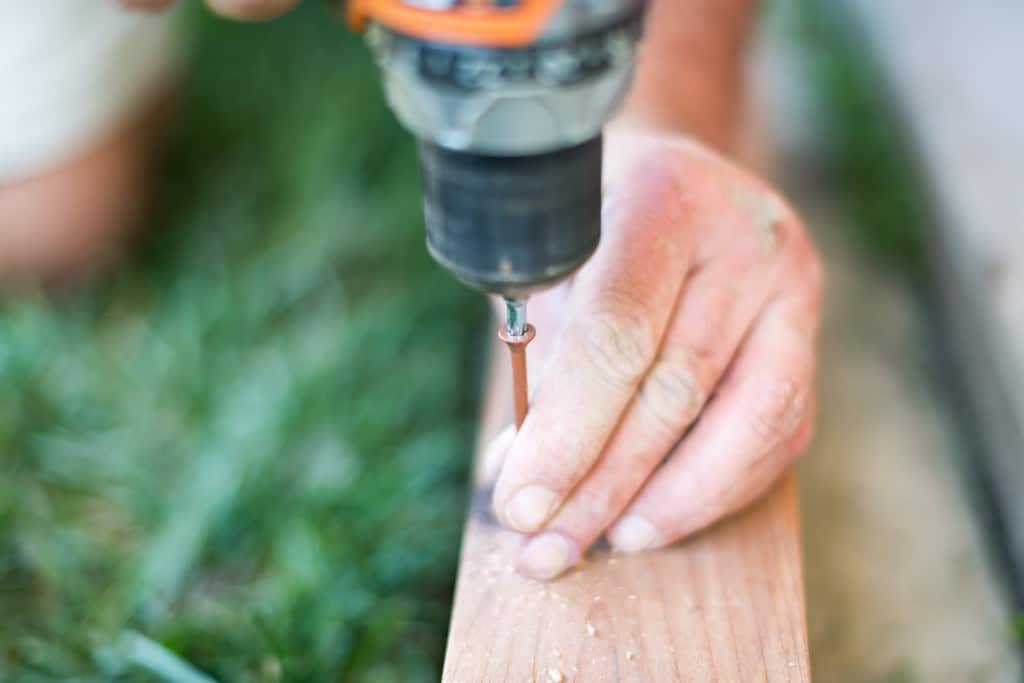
246	10
680	385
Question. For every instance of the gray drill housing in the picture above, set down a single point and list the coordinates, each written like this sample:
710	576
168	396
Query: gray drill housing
510	140
556	93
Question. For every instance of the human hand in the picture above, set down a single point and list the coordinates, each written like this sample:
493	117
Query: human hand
679	385
246	10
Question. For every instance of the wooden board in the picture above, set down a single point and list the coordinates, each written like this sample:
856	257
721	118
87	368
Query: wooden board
725	606
951	72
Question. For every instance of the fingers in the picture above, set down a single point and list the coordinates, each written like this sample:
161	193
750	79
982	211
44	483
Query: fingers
747	435
251	10
621	304
717	306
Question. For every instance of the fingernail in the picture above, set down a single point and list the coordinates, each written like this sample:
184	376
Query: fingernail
530	508
545	556
632	534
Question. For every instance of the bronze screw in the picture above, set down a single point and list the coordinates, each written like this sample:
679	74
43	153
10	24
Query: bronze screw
517	353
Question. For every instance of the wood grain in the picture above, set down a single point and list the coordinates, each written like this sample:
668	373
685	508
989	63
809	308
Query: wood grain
726	605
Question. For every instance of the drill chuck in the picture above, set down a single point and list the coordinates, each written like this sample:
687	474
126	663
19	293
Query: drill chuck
510	225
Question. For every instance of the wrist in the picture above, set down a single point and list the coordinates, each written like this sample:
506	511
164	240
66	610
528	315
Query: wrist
690	73
709	120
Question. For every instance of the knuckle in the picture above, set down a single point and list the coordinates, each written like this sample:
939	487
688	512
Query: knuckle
618	345
562	454
769	219
777	411
662	171
671	396
594	506
654	200
704	340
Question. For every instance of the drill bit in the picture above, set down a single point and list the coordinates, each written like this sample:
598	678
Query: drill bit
517	333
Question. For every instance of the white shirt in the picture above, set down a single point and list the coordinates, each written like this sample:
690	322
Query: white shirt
71	71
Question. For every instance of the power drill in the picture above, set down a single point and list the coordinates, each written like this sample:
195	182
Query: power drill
508	99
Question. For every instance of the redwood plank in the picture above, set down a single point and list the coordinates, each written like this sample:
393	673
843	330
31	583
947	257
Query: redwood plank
726	605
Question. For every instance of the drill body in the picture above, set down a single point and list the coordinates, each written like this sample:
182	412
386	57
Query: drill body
508	99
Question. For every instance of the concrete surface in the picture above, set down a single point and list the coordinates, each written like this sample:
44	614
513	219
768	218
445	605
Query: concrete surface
950	74
901	583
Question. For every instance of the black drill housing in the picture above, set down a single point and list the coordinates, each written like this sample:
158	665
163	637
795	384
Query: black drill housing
511	225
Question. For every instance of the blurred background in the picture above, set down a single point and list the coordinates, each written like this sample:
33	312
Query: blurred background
244	454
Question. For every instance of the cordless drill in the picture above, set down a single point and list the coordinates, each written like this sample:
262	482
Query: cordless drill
508	99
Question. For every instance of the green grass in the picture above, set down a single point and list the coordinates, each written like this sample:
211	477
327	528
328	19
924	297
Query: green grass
245	453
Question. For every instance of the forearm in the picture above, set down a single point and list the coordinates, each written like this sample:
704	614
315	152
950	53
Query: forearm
690	73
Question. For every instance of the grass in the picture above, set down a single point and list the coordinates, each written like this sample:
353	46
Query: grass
244	455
